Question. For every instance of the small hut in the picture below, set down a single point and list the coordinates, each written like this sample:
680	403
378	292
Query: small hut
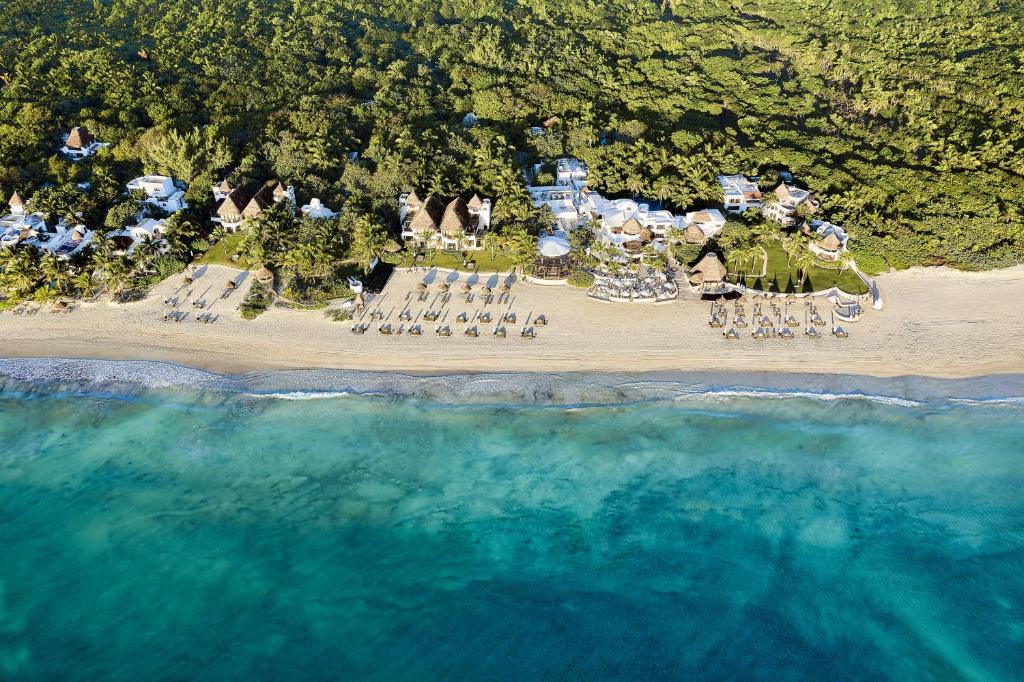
264	275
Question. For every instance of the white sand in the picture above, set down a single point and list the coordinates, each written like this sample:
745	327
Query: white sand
936	322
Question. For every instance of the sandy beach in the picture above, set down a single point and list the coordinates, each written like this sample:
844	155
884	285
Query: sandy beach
936	322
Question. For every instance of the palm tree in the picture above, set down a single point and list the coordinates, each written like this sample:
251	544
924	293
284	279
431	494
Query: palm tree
22	271
368	242
804	261
56	272
492	243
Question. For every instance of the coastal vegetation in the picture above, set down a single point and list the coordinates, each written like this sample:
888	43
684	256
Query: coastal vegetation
904	119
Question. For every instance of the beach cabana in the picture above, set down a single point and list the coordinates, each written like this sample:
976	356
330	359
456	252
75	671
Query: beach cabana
553	261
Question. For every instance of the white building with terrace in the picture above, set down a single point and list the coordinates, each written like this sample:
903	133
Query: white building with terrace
739	193
785	201
161	191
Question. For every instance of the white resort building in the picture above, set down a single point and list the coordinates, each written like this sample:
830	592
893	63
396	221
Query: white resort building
456	226
623	223
317	211
235	205
161	191
739	193
79	144
787	200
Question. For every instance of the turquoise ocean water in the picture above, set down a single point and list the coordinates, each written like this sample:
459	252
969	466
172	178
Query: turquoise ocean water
219	533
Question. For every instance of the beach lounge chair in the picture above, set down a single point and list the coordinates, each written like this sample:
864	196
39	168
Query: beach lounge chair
731	335
485	318
462	317
444	331
812	333
528	333
500	332
415	330
472	332
540	321
839	333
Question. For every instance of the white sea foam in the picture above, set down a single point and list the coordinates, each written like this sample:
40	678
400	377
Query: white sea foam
568	389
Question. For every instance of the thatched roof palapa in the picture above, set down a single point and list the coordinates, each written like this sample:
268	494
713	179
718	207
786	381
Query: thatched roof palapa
831	243
79	138
693	235
455	218
16	201
413	200
709	269
428	217
264	275
632	227
475	203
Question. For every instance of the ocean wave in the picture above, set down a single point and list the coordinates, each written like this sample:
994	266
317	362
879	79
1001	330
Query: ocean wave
782	394
140	374
515	388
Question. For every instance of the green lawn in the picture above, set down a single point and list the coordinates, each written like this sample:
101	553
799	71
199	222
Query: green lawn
781	277
483	260
221	253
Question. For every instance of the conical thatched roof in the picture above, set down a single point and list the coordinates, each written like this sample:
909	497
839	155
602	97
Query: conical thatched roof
782	192
634	246
224	187
79	138
632	227
257	204
233	204
428	217
475	203
16	201
279	190
413	200
831	243
646	235
456	217
264	274
693	235
709	268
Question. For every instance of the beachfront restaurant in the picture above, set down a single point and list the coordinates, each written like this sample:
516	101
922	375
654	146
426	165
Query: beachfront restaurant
553	262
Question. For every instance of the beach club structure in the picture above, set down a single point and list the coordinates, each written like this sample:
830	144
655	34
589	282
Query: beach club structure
235	205
21	228
708	276
553	262
828	240
626	224
161	191
455	225
79	144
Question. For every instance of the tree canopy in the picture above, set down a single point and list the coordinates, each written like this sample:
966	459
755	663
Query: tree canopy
905	118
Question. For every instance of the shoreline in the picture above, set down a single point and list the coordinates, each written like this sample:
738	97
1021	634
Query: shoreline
937	323
114	377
